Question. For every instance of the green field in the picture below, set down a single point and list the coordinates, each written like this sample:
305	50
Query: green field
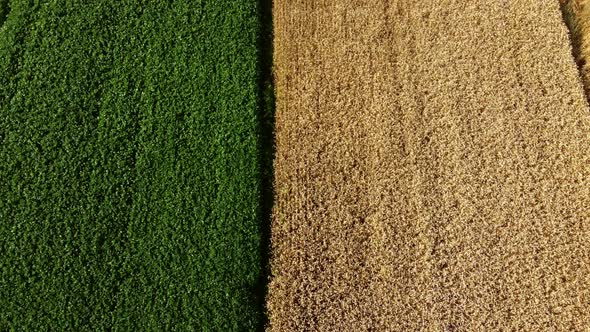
132	165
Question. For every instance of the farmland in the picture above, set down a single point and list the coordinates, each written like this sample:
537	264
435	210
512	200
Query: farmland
130	165
432	168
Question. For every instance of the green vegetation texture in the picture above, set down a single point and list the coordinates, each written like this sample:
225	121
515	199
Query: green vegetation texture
130	168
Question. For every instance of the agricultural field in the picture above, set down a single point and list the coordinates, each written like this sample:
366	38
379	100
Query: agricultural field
131	159
432	168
